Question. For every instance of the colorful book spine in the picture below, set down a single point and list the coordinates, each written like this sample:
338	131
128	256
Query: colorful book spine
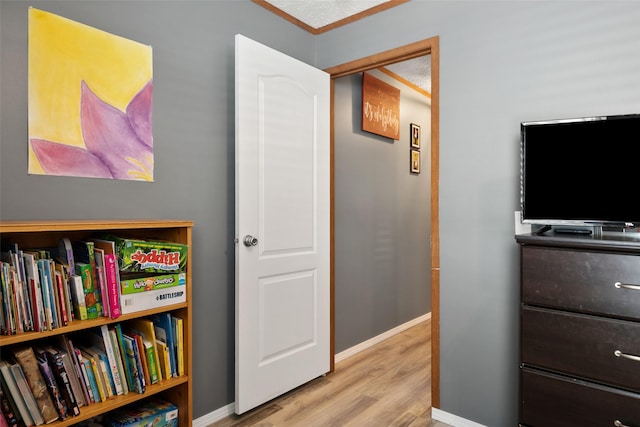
109	386
113	274
46	290
179	335
119	360
21	288
126	363
64	318
64	271
152	361
32	276
92	301
145	328
78	383
56	362
137	374
164	331
163	355
52	385
19	307
141	355
89	377
3	320
111	358
12	388
77	297
7	296
9	414
102	289
65	253
89	399
27	394
83	251
36	296
99	383
101	280
18	265
51	287
113	285
100	372
26	357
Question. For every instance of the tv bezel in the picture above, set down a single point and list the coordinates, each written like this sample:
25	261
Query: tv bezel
551	222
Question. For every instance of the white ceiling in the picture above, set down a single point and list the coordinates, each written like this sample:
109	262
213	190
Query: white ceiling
417	71
320	13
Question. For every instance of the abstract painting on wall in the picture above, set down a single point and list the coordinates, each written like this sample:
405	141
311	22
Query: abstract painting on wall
90	101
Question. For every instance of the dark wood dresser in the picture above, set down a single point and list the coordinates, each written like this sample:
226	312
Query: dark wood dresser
579	330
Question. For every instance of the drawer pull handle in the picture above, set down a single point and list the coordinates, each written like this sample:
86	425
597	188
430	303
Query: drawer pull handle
618	353
627	286
618	423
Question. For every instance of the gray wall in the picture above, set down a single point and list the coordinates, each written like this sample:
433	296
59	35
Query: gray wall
500	63
382	217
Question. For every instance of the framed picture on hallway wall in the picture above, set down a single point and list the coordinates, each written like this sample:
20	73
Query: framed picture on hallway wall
415	161
415	135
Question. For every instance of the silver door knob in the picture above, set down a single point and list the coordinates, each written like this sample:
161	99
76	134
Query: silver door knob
250	240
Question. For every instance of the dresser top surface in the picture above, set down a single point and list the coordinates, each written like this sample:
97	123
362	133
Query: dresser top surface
607	241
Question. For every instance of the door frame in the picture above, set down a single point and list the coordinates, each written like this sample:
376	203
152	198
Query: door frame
428	46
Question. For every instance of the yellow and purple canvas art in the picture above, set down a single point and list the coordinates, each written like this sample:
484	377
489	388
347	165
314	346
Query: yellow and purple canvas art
90	101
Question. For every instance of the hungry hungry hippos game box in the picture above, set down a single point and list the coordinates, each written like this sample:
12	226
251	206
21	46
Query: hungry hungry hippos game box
144	256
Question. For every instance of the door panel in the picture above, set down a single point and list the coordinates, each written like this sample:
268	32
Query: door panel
287	170
282	203
286	297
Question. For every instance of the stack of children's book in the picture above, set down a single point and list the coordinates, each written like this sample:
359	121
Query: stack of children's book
55	378
47	288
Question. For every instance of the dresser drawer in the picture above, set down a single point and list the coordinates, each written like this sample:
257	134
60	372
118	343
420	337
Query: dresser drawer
582	346
581	281
548	400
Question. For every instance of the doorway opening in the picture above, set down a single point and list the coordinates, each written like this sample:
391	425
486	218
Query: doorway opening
425	47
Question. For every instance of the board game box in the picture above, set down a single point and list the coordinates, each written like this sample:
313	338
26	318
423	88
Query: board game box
142	256
151	412
151	283
132	303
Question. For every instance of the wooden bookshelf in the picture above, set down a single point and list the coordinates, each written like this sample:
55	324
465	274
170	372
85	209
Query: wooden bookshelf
38	234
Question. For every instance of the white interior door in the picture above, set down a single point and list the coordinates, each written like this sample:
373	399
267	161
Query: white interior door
282	223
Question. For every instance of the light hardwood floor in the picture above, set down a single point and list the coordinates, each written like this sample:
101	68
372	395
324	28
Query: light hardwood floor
387	385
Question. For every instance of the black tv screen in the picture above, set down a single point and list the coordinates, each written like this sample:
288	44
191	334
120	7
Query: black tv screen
582	171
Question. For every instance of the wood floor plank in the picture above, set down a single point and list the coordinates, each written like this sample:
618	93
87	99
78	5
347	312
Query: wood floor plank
387	384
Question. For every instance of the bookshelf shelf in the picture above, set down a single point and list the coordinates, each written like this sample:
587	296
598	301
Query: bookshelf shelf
38	234
78	325
87	412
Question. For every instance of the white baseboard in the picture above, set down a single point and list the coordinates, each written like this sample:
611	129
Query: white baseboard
452	420
379	338
224	412
214	416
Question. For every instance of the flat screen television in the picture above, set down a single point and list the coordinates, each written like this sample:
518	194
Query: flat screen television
581	172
